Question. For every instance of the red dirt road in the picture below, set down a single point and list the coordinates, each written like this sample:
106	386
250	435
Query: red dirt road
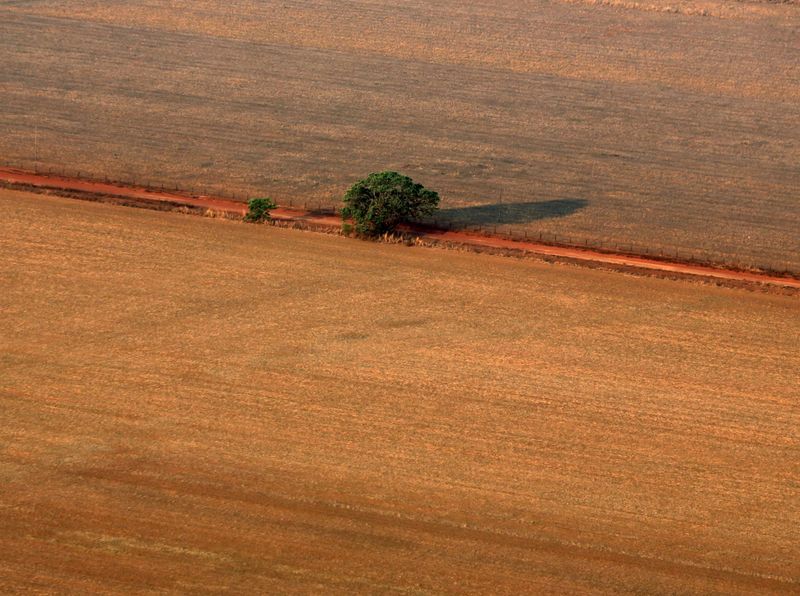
13	176
147	195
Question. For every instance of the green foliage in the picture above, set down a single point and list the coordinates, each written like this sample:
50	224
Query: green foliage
258	209
381	201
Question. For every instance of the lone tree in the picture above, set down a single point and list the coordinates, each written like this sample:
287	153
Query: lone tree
258	209
381	201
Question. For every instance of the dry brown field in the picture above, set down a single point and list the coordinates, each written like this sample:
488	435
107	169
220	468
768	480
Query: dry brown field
192	405
669	125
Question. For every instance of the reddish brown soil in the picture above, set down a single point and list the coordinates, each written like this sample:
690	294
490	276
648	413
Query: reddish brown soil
14	176
197	406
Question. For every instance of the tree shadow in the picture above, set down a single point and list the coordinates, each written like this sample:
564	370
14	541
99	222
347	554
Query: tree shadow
513	213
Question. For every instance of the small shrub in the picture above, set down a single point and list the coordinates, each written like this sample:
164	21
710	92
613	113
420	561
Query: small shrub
381	201
258	210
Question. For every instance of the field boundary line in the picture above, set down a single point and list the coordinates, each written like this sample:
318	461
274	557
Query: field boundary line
324	220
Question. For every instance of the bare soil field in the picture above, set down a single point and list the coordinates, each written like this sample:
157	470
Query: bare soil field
665	124
197	405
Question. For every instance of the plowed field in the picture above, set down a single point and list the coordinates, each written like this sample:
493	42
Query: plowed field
195	405
668	125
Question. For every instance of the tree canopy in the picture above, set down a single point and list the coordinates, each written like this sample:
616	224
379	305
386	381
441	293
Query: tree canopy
381	201
258	209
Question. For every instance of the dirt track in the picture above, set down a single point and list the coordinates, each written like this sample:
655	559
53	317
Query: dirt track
459	238
193	405
13	176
